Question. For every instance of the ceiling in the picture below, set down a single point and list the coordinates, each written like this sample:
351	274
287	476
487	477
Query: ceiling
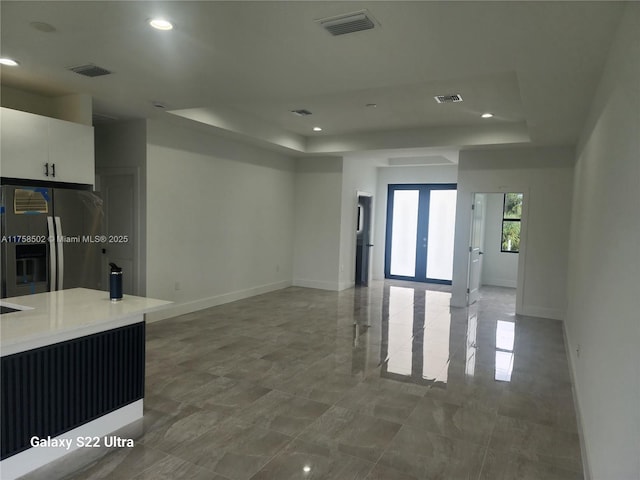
243	66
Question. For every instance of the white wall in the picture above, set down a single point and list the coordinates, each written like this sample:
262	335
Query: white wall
358	175
76	108
604	269
545	176
219	218
399	175
498	268
318	203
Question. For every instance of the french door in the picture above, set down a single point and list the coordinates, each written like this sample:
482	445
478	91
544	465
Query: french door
420	232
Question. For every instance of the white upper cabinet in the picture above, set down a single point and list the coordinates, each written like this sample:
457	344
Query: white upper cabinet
71	152
25	146
41	148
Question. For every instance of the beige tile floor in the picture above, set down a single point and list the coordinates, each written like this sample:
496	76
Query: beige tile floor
385	383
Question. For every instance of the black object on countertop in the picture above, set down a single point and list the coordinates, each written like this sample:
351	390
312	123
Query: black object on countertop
115	283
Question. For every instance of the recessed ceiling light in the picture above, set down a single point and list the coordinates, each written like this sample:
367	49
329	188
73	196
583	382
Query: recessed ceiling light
161	24
317	129
306	469
487	115
8	62
371	105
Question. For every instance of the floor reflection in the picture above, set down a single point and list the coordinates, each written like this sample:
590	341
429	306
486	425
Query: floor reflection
505	339
472	332
360	352
415	327
436	338
425	341
384	382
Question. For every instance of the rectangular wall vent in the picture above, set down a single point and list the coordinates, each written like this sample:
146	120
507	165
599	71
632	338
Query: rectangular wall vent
90	70
348	23
452	98
301	112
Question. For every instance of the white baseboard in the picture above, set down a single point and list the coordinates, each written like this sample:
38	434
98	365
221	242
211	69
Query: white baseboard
319	284
542	312
500	282
200	304
576	404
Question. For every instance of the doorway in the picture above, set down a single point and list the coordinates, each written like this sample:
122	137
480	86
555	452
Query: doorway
420	232
497	244
119	190
363	238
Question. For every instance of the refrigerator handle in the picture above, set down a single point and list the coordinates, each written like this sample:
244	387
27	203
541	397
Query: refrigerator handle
60	244
53	262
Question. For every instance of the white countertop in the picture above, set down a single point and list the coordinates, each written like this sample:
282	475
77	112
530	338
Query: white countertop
52	317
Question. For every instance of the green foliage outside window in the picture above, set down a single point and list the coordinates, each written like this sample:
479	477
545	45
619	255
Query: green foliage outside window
513	205
511	217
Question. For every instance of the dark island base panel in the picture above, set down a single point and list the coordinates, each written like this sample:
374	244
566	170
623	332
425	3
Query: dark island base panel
50	390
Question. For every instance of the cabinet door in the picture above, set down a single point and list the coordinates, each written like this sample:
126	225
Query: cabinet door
24	149
71	151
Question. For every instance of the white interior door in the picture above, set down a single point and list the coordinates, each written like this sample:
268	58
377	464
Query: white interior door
475	249
118	193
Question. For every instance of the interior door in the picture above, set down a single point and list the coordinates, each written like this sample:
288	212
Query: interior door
475	249
118	192
420	232
363	240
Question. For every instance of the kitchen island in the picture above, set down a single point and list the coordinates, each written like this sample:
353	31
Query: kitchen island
72	373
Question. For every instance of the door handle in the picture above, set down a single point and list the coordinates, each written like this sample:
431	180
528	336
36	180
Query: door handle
369	244
60	243
53	261
46	169
53	170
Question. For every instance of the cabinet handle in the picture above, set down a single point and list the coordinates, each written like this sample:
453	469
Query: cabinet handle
53	169
46	169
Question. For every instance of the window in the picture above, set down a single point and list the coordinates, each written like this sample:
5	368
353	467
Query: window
511	217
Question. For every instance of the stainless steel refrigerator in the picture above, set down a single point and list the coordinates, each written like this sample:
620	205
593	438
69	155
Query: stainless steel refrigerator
51	239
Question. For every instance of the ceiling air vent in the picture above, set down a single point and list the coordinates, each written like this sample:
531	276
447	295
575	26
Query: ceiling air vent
453	98
301	112
348	23
90	70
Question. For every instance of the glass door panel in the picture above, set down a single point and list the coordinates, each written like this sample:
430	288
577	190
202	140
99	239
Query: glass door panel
420	232
405	229
442	223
